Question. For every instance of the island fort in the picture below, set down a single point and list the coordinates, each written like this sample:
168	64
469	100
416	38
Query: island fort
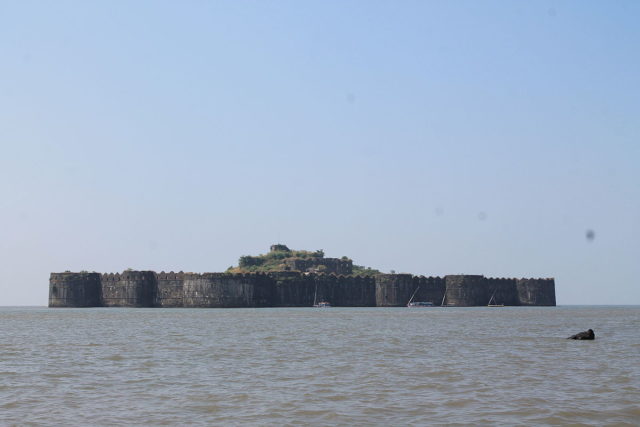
288	278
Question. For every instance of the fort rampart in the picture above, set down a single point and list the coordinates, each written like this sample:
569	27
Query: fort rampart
75	290
290	289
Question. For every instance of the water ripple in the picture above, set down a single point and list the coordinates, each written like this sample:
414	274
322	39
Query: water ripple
303	366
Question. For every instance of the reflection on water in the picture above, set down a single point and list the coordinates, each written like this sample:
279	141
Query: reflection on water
385	366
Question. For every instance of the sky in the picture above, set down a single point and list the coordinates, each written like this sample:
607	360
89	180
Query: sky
429	137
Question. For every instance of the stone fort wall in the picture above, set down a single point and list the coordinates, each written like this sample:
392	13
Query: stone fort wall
129	289
290	289
75	290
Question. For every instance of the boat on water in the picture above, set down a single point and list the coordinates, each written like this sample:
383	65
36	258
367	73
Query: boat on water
321	304
418	304
492	301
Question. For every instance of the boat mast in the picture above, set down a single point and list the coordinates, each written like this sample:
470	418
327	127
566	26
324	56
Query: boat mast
413	295
444	296
492	297
315	294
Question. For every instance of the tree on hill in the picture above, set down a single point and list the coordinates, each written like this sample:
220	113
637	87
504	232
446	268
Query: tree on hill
276	260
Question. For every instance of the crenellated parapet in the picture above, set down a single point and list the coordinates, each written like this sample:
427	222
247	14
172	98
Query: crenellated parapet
355	291
465	290
536	291
170	289
224	290
393	290
428	289
129	289
502	291
290	289
75	290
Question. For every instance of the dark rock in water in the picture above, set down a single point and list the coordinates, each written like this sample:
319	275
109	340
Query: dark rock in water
586	335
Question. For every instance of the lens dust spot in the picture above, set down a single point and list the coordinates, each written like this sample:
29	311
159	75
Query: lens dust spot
590	235
351	98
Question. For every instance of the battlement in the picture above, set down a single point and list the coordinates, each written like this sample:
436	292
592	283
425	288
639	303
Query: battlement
127	275
75	290
536	291
292	288
170	275
130	288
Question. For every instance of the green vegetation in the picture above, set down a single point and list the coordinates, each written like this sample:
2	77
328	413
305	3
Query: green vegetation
360	270
276	260
272	261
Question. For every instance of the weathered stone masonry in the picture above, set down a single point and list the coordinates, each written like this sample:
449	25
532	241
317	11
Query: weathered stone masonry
75	290
289	289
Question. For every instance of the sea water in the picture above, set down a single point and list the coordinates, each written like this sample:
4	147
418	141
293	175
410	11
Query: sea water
332	366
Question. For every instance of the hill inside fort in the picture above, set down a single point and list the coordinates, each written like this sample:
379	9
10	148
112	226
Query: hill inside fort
291	278
281	258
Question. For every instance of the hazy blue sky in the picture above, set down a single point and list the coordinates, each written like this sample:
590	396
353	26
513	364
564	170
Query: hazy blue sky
434	138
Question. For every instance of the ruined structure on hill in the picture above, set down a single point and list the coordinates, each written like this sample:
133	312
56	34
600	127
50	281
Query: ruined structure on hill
324	265
296	287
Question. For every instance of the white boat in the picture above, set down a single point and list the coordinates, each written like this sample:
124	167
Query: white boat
493	300
321	304
420	304
414	304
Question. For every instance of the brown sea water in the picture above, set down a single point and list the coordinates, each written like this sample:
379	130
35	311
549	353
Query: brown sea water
336	366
